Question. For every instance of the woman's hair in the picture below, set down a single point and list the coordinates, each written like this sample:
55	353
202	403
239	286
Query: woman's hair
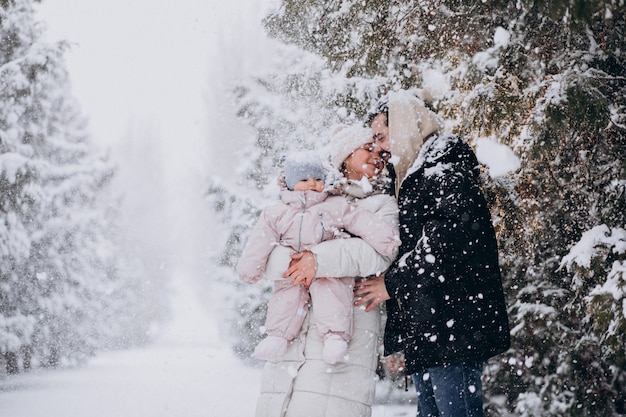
381	107
343	169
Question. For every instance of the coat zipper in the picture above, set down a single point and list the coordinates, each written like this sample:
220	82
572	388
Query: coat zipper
301	222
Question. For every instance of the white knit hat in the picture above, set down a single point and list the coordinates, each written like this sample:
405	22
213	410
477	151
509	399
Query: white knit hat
345	139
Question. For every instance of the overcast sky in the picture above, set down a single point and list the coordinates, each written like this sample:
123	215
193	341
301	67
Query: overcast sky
155	71
138	60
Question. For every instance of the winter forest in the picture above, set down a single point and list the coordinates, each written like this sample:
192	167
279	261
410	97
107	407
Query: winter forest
538	89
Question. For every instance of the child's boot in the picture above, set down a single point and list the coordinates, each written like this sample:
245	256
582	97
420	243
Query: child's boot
335	349
270	348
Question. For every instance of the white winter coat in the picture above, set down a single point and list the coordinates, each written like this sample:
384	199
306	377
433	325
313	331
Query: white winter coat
302	384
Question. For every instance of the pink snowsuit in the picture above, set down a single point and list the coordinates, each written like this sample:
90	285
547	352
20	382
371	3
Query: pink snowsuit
301	220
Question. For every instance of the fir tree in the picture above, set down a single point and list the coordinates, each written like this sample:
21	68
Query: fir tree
59	263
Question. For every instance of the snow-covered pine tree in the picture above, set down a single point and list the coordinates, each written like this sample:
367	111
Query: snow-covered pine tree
59	266
546	78
21	60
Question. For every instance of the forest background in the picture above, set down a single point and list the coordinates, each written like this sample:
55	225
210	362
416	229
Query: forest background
546	79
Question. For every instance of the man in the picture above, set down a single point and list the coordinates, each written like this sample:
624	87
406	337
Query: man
444	297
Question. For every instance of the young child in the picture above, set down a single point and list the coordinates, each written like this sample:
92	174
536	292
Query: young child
306	216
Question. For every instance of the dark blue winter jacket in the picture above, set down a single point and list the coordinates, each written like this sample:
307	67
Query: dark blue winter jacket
447	303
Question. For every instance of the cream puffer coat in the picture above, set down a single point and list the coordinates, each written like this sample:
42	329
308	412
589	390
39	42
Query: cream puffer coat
302	384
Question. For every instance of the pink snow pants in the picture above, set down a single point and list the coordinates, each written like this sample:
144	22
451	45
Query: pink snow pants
289	304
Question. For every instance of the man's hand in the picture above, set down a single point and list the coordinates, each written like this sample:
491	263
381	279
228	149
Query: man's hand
371	292
302	268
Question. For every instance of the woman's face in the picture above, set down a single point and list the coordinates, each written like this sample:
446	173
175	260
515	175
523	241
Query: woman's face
365	161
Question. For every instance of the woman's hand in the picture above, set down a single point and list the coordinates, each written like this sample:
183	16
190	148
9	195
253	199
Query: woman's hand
302	268
370	292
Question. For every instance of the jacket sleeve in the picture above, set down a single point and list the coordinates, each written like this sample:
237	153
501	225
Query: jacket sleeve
262	240
354	257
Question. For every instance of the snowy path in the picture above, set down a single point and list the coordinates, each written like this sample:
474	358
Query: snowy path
152	382
188	372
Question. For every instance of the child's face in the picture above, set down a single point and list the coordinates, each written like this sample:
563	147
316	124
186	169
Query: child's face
309	184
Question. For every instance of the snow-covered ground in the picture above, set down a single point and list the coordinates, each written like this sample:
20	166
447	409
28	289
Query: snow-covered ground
158	381
188	371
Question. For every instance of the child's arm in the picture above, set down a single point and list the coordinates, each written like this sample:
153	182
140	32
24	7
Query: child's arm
262	240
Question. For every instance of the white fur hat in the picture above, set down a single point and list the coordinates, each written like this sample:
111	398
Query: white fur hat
345	139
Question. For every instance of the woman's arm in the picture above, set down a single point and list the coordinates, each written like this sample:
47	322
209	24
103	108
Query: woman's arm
344	257
278	262
348	258
353	257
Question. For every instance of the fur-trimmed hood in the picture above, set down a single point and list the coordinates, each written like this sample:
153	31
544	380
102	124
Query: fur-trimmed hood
410	123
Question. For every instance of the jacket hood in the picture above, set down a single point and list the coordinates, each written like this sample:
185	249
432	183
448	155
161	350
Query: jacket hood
410	123
445	150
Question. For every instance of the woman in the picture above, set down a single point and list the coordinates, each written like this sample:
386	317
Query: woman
301	383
